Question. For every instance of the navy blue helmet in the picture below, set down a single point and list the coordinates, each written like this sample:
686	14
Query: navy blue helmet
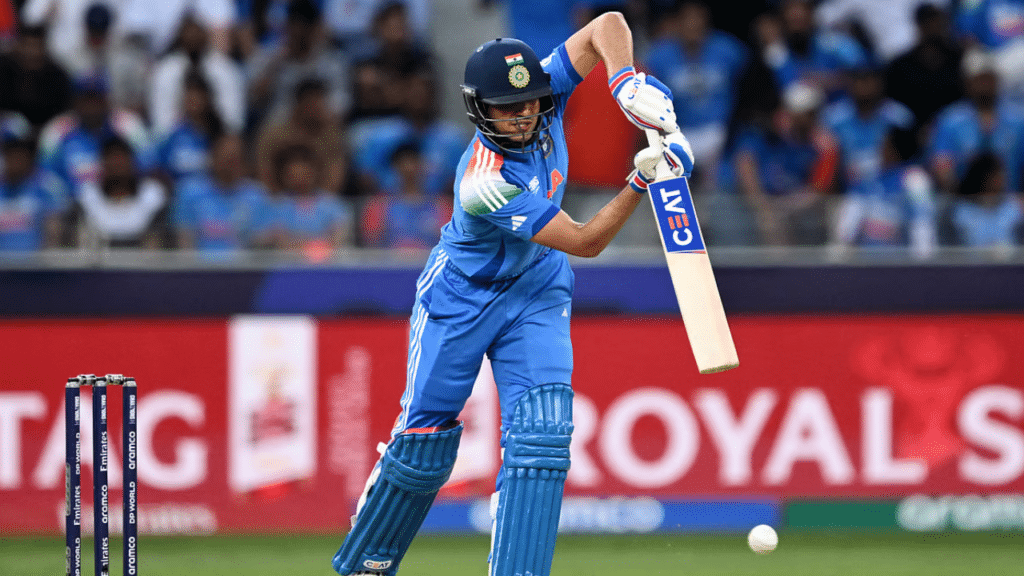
506	71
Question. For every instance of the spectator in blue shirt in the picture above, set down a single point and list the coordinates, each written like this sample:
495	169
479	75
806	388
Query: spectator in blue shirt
992	23
441	141
797	52
702	66
223	210
985	213
185	151
309	219
70	144
32	203
784	170
976	125
406	218
897	206
860	122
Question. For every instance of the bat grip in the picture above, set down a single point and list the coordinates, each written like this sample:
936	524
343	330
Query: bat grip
662	171
653	138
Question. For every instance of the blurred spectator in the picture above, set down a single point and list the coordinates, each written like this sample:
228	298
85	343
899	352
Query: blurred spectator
350	21
70	144
393	45
310	219
376	92
545	25
783	171
859	123
32	203
985	213
991	23
92	55
260	22
406	217
441	142
192	51
895	208
223	210
310	124
184	152
975	125
797	52
121	209
702	67
927	78
303	52
33	84
998	27
67	39
159	22
888	26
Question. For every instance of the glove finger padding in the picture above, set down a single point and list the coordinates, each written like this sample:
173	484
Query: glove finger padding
646	162
645	101
678	153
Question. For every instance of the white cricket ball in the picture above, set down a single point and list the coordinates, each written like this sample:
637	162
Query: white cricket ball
762	539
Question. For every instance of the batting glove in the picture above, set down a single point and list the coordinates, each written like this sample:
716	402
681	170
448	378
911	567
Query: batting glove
678	153
644	100
646	162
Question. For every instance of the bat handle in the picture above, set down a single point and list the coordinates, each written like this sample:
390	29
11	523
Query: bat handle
662	172
653	138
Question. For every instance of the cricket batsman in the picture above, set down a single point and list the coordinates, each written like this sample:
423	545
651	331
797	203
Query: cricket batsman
499	283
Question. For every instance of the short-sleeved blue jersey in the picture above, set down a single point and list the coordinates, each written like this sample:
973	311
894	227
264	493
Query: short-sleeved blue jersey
830	53
24	208
703	85
184	152
860	138
313	218
958	136
503	199
784	165
222	218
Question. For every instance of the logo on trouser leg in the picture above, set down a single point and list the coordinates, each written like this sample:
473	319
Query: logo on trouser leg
377	564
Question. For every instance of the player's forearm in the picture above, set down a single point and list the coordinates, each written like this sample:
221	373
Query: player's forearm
588	240
600	230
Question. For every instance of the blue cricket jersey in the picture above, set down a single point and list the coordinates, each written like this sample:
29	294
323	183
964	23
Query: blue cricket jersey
184	152
860	138
958	135
503	199
704	84
992	22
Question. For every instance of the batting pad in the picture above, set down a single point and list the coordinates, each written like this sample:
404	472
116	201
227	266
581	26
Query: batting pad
412	470
536	461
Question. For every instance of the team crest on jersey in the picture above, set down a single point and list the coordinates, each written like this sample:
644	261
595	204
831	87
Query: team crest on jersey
519	76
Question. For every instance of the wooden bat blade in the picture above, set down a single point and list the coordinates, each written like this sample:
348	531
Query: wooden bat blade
692	276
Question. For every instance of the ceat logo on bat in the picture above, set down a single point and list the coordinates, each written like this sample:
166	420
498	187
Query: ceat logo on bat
377	564
677	220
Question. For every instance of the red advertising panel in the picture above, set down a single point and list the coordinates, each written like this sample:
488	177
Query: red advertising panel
264	423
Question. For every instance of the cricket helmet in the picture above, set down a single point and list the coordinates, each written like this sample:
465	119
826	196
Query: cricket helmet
506	71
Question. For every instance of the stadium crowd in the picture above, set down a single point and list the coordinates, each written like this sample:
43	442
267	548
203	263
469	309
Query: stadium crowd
315	124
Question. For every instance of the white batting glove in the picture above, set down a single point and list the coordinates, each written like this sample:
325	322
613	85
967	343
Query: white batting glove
646	162
678	153
644	100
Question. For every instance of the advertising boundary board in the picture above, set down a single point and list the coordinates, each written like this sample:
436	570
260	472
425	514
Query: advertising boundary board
271	422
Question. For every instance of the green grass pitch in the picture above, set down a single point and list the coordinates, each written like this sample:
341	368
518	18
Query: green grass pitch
799	554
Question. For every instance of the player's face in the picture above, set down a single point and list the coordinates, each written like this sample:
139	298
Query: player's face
512	119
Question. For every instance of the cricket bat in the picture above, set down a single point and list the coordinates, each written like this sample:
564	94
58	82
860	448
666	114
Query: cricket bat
690	268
